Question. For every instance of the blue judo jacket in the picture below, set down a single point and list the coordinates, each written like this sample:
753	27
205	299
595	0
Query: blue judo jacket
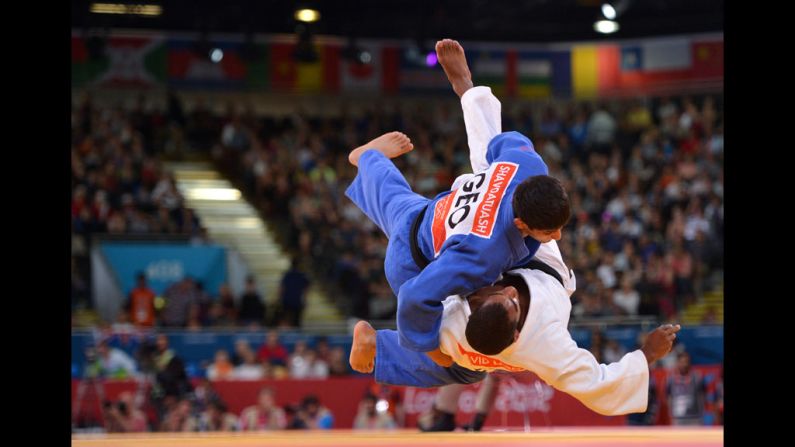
470	236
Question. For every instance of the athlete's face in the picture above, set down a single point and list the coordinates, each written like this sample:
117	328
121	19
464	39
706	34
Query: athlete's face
506	296
542	236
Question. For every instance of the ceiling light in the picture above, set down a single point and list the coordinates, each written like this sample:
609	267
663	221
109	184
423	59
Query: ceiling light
608	11
307	15
605	26
126	9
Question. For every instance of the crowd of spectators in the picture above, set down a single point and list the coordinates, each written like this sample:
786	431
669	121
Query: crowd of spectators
118	183
186	304
645	178
202	410
129	355
181	397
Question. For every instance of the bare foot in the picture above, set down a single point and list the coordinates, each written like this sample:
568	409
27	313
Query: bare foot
392	144
451	57
362	357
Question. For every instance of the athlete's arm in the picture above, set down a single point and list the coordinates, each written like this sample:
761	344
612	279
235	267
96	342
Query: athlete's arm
609	389
466	265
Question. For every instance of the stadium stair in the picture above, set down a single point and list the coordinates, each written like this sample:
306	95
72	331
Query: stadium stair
694	314
231	221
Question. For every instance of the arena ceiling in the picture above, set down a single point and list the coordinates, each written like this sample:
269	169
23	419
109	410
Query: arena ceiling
485	20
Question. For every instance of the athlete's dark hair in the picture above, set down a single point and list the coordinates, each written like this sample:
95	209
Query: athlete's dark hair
489	329
541	203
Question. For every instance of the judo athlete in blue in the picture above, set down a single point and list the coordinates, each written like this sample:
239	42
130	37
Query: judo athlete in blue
490	222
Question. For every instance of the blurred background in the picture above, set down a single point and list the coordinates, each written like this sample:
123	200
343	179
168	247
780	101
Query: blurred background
217	267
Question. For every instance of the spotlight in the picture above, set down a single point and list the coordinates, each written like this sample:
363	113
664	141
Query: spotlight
216	55
608	11
126	9
605	26
614	9
307	15
431	59
364	57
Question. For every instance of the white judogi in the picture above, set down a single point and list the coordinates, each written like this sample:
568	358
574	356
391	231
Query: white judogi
483	121
546	348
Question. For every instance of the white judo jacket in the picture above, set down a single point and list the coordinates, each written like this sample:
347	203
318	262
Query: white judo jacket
546	347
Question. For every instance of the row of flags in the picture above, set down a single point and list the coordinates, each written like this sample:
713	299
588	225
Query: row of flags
650	66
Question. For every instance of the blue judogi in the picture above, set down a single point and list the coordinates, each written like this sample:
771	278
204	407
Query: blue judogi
468	233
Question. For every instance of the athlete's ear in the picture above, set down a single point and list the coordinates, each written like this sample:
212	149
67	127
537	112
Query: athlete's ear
515	335
521	226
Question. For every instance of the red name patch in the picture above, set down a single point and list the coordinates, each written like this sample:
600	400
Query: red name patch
479	359
438	228
487	210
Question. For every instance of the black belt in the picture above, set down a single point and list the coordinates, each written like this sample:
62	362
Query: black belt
535	264
416	253
423	262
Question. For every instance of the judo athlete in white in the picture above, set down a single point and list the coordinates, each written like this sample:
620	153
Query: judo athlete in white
541	305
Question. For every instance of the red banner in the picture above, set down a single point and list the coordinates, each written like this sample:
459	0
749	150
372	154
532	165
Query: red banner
522	399
340	395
